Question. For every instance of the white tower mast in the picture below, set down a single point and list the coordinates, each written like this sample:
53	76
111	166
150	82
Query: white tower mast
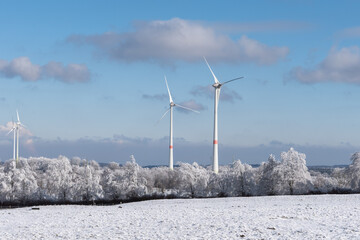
171	144
17	145
14	145
215	140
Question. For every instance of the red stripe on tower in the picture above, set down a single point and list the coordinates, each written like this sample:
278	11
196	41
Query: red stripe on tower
171	147
215	142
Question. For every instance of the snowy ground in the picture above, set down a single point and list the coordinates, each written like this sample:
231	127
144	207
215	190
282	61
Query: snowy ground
277	217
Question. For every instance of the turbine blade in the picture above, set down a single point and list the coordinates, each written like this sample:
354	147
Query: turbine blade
167	86
22	125
10	131
218	96
215	79
17	113
232	80
163	115
177	105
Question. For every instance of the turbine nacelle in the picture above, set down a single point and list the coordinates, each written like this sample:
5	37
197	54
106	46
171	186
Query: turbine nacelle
217	85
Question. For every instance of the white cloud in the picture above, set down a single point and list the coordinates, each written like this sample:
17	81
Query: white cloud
70	73
22	67
339	66
4	129
178	39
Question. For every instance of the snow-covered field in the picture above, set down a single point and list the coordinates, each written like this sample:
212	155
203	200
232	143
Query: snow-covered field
275	217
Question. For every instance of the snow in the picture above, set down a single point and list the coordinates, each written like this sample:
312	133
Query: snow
269	217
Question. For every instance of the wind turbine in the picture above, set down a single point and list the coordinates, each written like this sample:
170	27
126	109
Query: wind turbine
18	124
217	85
172	104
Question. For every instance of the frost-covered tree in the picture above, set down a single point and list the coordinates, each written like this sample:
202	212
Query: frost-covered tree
165	180
340	175
59	180
353	172
240	178
221	184
87	181
109	183
270	177
295	177
5	186
323	183
133	182
21	181
194	179
8	181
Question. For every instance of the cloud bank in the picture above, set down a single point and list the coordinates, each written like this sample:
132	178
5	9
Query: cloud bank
149	151
22	67
341	65
178	39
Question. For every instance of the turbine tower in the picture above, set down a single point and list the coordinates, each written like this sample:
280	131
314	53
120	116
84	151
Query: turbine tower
13	130
217	85
172	104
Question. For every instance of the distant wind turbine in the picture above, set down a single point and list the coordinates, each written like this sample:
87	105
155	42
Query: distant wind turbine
172	104
18	124
217	85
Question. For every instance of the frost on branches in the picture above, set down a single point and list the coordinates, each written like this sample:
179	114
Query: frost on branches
76	180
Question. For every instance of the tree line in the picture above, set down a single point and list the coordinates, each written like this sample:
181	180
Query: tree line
75	180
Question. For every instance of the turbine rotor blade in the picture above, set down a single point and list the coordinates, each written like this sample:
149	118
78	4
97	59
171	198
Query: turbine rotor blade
17	113
167	86
10	131
232	80
215	79
177	105
163	115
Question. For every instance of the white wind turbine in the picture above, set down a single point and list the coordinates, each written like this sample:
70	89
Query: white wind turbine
217	85
172	104
18	124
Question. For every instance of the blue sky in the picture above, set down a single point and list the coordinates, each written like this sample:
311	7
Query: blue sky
88	78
